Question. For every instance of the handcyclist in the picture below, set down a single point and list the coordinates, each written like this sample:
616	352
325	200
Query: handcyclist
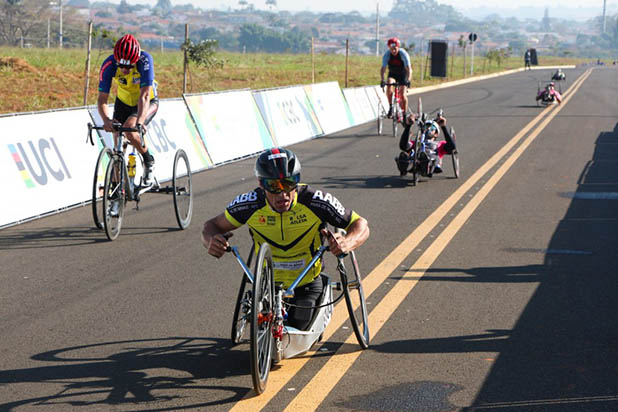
434	149
399	71
290	217
136	101
549	94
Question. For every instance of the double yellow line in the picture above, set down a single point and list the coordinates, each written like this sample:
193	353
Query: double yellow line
312	395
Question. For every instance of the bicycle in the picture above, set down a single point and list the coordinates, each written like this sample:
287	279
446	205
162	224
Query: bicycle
397	113
261	304
425	166
116	182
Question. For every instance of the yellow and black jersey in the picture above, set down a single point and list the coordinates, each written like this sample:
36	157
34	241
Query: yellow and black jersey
293	235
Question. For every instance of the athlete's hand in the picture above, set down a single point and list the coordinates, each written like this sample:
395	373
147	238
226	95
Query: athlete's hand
337	243
143	127
108	125
382	84
406	83
441	120
218	246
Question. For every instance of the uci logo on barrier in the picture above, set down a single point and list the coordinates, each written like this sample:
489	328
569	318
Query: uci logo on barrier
48	160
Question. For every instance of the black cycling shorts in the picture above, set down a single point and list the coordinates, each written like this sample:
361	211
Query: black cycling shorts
398	76
123	111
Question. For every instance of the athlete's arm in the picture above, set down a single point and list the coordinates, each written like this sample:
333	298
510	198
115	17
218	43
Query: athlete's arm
104	111
142	105
212	235
355	236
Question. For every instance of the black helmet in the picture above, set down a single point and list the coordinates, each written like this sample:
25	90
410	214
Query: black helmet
277	163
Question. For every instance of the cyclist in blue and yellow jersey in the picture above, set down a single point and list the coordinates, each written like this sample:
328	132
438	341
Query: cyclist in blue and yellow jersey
136	101
399	70
291	218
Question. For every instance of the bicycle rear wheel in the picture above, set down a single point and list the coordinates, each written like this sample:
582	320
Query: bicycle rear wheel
262	318
455	156
113	197
380	118
98	185
242	310
395	119
183	190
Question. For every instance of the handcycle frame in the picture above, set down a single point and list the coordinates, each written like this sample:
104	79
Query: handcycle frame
398	115
270	340
422	121
118	185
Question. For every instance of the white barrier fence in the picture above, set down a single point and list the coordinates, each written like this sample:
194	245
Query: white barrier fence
49	167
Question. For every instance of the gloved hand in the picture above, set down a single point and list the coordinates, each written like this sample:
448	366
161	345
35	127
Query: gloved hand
406	83
382	84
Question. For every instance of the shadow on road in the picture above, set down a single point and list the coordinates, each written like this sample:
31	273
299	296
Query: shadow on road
132	372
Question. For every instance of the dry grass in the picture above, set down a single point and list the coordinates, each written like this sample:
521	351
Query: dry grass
42	79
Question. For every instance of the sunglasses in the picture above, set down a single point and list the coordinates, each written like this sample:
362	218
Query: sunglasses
276	186
126	66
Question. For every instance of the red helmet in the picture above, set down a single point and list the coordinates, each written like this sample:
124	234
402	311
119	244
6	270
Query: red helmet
393	40
127	50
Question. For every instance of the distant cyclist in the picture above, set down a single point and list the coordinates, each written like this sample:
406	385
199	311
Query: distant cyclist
136	101
399	70
290	217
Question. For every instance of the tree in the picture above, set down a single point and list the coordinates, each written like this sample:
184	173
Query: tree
19	17
423	12
163	8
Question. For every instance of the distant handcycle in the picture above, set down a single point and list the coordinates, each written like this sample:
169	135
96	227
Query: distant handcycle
262	305
419	159
116	182
548	95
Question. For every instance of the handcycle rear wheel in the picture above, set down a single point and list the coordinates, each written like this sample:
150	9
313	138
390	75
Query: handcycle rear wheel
183	190
242	310
354	296
455	155
97	186
380	118
262	318
113	192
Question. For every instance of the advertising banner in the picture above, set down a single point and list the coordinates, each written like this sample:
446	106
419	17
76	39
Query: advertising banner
382	96
230	124
45	162
330	106
374	100
288	114
359	104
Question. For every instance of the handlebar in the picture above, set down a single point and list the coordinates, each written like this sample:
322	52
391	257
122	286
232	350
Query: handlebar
117	128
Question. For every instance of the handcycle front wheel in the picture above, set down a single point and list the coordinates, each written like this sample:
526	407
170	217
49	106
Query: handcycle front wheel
242	310
97	186
113	197
183	190
355	297
262	318
455	155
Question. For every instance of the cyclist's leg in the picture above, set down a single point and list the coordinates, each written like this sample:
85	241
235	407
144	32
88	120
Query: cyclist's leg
389	93
305	296
404	99
404	142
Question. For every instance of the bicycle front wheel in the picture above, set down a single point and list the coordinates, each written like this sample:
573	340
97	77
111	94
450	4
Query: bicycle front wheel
113	197
242	310
98	185
262	318
355	298
183	190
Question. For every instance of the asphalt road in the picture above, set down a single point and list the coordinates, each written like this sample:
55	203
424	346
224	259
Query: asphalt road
494	291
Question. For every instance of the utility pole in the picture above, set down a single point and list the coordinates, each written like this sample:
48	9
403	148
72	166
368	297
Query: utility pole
377	28
48	32
60	30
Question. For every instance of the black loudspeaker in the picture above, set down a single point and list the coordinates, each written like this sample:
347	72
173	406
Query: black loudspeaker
533	58
439	56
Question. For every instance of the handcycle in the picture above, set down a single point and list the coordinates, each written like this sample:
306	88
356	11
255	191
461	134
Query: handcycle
261	304
116	181
544	96
397	114
418	160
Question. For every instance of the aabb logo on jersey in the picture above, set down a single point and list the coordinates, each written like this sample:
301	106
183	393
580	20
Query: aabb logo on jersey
245	197
330	199
48	160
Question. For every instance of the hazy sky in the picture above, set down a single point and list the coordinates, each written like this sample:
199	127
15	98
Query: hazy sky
385	5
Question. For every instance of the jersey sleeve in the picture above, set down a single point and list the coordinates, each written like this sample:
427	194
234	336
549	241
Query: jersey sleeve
145	67
106	74
405	57
243	206
385	58
327	207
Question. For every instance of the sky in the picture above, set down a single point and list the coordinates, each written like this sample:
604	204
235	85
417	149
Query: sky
369	6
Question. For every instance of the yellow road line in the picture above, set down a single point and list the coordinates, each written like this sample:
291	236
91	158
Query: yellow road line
380	273
314	393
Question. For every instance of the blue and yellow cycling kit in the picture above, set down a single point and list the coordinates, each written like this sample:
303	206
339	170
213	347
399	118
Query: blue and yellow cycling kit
141	75
294	235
